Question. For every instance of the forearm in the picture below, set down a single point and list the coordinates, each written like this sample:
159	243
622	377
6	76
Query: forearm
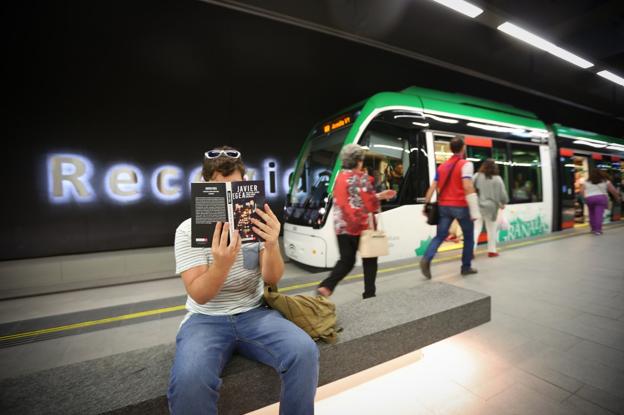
613	191
272	263
429	193
207	285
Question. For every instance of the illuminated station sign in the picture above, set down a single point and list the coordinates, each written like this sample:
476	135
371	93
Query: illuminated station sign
72	178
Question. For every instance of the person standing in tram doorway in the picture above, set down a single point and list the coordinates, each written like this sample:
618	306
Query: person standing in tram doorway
595	192
456	200
354	200
492	198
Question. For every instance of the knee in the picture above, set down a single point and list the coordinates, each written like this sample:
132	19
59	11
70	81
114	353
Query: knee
189	379
348	260
303	353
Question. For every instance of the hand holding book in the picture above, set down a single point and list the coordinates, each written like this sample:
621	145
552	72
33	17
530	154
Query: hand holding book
268	230
224	254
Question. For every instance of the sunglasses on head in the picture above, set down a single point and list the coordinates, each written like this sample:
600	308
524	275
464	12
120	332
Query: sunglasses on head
213	154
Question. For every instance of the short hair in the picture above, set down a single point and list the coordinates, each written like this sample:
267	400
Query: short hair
222	164
489	168
350	155
457	144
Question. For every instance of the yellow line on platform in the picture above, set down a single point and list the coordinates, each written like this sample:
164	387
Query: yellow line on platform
157	311
92	323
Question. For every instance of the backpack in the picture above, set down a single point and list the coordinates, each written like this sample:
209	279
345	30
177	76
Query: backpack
315	315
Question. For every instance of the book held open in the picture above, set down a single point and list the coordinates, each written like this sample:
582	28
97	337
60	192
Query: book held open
233	202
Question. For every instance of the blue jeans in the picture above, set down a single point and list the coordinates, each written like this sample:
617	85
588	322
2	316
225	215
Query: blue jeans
447	215
206	343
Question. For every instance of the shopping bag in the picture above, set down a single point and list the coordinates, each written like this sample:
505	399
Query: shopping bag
501	221
373	242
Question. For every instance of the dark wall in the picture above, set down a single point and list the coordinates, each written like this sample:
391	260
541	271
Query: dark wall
159	82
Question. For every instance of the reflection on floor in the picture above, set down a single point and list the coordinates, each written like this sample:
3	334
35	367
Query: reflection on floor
555	344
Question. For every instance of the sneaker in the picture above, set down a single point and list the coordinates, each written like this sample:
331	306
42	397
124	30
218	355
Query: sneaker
492	254
365	296
468	271
425	268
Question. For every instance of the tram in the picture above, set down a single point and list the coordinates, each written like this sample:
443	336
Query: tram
408	135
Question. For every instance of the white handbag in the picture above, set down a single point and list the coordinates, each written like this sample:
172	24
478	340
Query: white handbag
373	242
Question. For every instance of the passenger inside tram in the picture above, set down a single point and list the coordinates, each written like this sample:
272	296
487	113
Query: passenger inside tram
381	176
521	191
581	167
396	176
579	215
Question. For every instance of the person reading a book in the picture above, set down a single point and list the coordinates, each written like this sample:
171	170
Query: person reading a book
226	314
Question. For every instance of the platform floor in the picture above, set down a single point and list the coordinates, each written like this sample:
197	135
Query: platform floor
555	344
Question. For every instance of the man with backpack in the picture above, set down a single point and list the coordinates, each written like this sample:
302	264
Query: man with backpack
457	199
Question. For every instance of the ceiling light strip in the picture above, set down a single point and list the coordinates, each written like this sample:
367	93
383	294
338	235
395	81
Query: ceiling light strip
461	6
540	43
612	77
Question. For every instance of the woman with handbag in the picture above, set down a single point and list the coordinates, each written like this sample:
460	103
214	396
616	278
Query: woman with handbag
492	197
354	200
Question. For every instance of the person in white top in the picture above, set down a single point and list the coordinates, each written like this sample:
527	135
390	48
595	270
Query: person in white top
492	199
224	284
595	193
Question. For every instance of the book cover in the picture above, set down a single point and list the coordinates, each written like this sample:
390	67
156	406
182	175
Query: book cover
233	202
246	197
208	206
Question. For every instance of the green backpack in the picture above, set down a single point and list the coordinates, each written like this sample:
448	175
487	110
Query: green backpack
315	315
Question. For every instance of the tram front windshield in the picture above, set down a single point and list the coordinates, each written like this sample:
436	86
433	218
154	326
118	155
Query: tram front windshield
309	193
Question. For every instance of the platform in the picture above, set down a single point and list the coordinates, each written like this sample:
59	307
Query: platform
554	344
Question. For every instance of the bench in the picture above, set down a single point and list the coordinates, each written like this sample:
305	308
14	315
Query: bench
375	331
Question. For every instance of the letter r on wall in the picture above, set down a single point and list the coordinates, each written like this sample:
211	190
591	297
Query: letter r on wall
68	178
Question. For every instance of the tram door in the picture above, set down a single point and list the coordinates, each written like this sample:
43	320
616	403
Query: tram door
567	172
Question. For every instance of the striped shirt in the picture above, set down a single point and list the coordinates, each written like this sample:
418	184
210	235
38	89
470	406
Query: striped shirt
243	287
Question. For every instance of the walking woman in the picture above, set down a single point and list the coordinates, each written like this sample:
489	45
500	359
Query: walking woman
595	193
492	197
354	200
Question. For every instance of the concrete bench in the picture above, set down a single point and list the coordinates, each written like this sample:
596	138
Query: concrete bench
375	331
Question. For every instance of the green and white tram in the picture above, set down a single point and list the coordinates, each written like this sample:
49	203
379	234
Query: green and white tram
408	134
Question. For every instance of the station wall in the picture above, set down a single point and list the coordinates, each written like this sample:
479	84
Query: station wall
143	88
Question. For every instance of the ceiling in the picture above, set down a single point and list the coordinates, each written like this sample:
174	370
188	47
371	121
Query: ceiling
428	31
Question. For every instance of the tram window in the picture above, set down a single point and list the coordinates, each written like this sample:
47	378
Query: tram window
394	160
442	149
386	159
312	177
500	155
477	155
526	174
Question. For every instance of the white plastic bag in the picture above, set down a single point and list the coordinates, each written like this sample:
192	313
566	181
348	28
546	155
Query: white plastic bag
501	221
